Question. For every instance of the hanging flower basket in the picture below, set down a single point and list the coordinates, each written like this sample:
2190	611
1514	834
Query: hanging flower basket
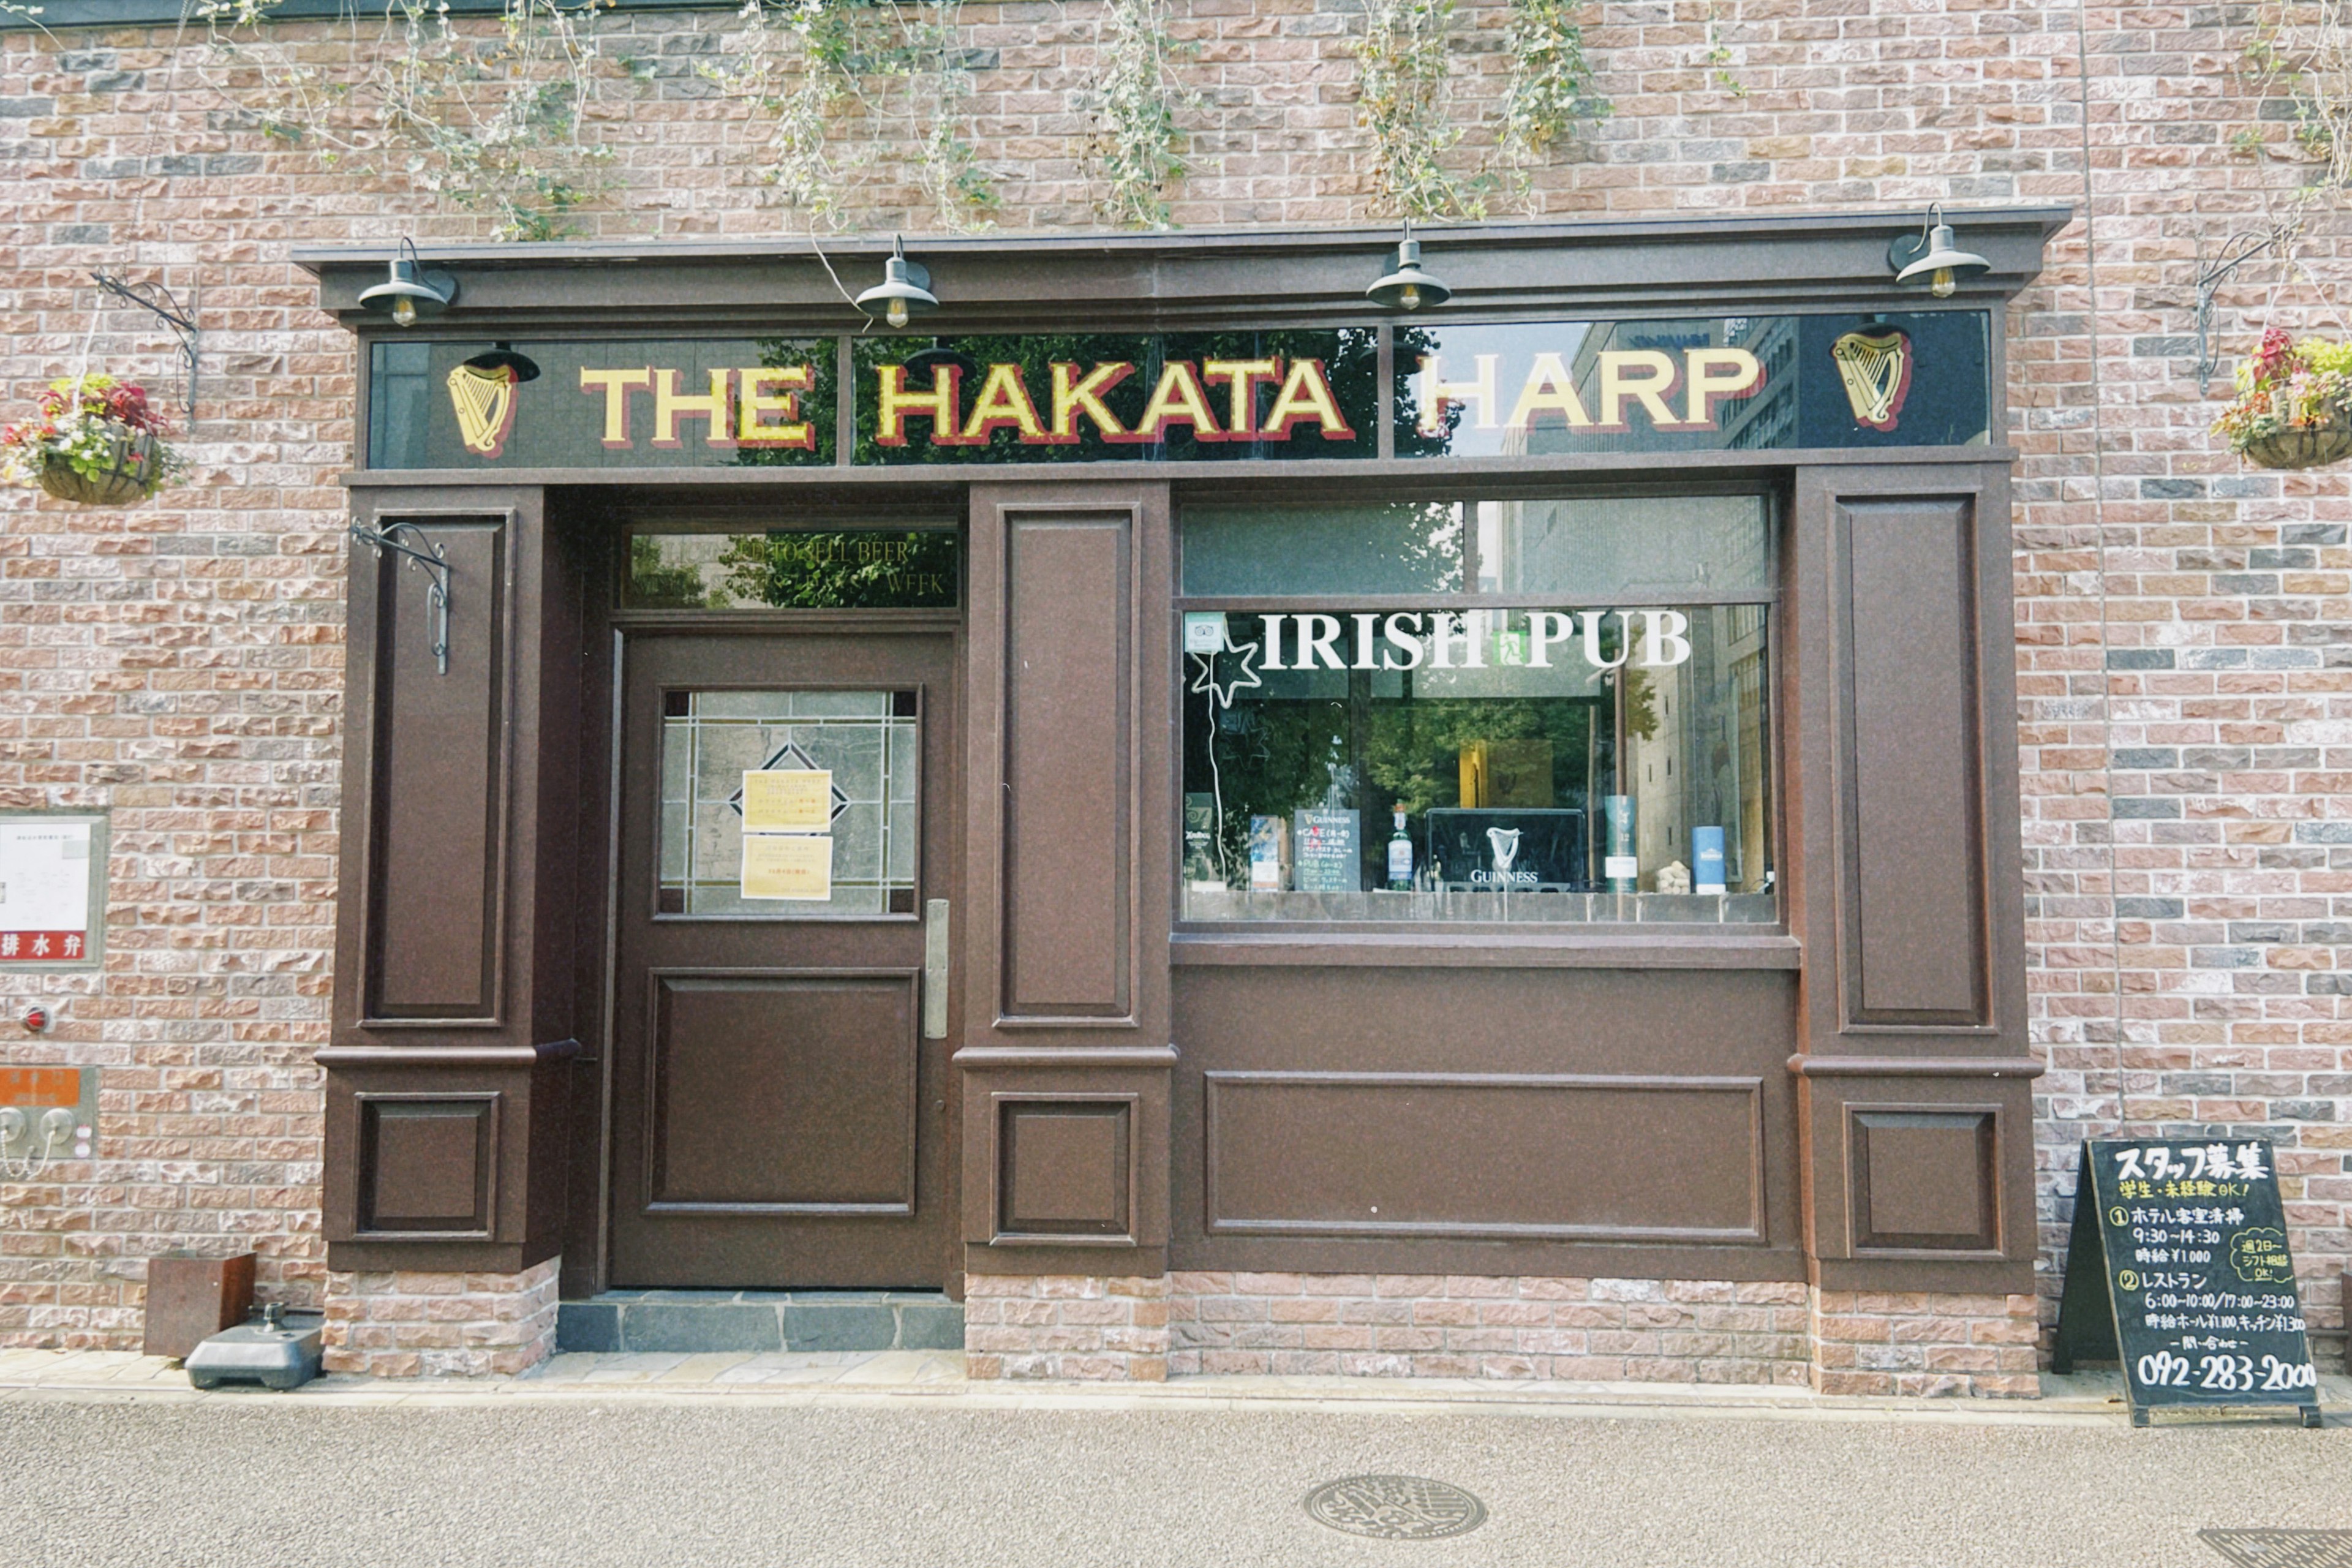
117	474
96	443
2294	407
2311	447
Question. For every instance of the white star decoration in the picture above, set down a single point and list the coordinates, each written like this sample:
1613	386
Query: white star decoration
1221	692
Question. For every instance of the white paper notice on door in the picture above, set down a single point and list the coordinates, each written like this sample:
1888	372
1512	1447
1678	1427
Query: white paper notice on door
787	800
45	874
788	866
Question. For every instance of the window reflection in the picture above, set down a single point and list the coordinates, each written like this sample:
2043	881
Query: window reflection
1587	760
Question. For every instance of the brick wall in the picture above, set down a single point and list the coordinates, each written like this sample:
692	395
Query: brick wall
1412	1325
1878	1343
1480	1326
2185	624
440	1325
1065	1326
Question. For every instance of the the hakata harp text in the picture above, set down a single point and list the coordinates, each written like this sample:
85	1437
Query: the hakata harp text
759	406
1215	399
1672	394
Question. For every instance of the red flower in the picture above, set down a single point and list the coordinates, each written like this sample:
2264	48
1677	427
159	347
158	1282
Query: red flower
2270	360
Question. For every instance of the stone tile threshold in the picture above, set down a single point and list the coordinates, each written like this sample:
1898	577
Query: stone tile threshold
937	1377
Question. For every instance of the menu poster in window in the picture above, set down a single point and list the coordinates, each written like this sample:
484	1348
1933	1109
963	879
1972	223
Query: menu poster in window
1328	852
46	866
2177	1267
787	800
788	866
1269	851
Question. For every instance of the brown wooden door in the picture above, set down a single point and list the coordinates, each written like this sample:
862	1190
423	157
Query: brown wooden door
778	1118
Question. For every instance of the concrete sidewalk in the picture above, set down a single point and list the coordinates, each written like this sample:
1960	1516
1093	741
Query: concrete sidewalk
938	1376
894	1461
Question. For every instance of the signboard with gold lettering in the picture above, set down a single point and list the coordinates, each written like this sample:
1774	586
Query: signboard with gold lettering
1094	396
1744	383
625	404
1466	390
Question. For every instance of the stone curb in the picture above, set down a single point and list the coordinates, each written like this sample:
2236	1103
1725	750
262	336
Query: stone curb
895	1382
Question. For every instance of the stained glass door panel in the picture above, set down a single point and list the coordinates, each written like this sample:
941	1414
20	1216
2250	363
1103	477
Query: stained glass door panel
867	740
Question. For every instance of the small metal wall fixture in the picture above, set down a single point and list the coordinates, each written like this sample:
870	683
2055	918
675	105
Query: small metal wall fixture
904	293
1934	255
160	304
426	556
2241	247
411	291
1407	285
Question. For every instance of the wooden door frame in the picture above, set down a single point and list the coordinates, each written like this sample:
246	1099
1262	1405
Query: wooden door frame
606	633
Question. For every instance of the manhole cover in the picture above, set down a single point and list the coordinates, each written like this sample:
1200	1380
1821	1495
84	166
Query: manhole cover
2282	1548
1396	1507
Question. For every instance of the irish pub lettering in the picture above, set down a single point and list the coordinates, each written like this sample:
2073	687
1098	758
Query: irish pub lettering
1447	640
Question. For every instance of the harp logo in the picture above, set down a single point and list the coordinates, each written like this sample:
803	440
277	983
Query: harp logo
1876	370
483	396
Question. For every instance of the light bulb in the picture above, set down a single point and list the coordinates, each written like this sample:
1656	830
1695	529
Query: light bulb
1410	296
1943	283
897	314
404	311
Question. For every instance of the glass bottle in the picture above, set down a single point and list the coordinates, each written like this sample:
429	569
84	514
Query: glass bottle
1399	856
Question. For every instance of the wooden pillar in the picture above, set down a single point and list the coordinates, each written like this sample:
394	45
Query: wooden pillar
448	1070
1898	680
1068	881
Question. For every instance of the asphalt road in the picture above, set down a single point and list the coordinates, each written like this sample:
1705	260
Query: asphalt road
255	1483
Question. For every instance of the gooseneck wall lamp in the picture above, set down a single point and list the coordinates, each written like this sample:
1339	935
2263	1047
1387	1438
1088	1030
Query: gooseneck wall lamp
411	292
904	293
1408	285
1934	255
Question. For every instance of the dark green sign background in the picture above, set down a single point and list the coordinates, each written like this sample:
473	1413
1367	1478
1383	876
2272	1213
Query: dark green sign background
1801	397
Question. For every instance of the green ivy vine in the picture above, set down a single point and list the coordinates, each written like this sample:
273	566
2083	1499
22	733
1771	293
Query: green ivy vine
2307	48
1135	146
492	122
1551	94
517	118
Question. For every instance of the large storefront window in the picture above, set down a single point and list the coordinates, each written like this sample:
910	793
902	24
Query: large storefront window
1555	710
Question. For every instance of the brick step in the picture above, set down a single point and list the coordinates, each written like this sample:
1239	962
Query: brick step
701	1322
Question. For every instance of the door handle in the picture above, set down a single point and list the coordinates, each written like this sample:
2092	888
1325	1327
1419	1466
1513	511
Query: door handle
935	968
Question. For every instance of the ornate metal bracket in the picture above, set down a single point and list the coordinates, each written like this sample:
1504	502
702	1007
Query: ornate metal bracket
159	302
2236	252
426	556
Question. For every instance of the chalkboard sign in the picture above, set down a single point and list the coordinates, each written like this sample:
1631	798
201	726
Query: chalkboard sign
2178	1267
1327	847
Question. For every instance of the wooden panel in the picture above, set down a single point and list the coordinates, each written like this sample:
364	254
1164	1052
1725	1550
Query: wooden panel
782	1092
1925	1179
428	1163
1914	855
436	789
189	1300
1068	878
1586	1157
1064	1168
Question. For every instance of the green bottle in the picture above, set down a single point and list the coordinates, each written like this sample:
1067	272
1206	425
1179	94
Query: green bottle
1399	857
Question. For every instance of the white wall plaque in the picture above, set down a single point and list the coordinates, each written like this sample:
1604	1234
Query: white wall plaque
52	891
